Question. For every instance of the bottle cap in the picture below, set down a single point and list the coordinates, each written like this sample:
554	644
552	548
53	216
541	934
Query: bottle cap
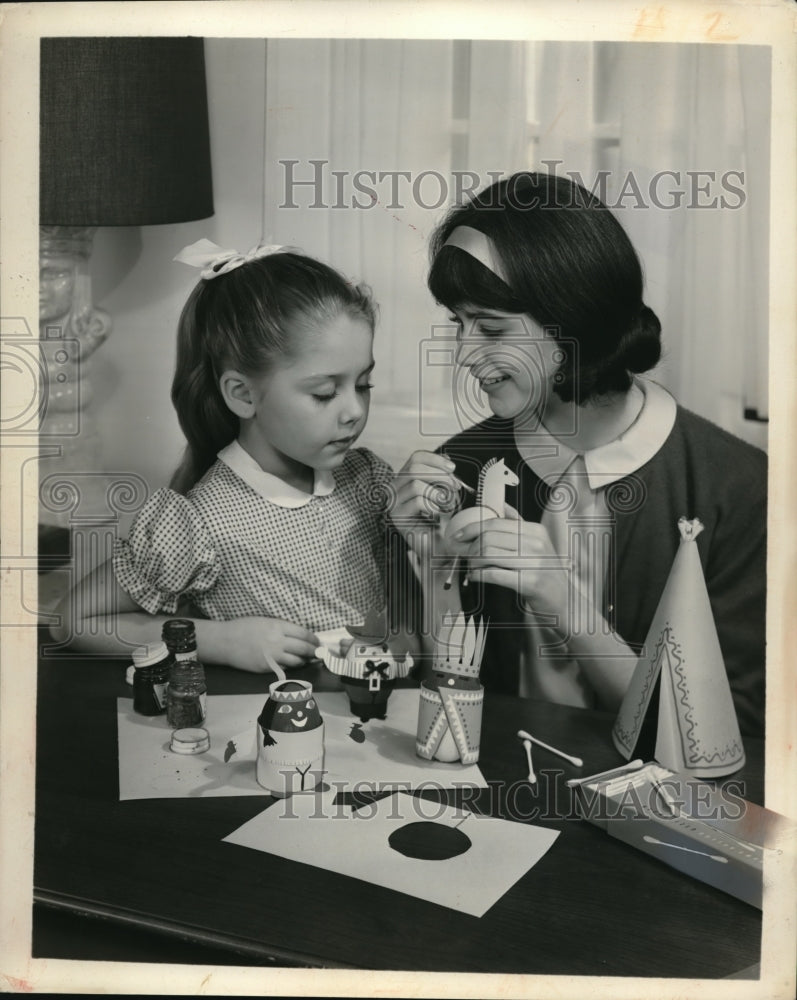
190	741
145	656
180	634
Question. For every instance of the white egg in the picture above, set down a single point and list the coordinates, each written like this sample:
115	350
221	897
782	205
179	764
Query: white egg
460	520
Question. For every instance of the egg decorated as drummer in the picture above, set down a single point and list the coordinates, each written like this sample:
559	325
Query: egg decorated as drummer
290	751
451	698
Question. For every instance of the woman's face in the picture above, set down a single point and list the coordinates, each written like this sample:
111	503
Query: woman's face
512	358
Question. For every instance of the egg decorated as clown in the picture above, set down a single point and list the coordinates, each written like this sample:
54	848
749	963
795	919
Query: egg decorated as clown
290	744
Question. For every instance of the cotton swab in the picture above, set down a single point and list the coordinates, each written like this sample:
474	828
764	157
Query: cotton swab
464	486
666	797
532	778
575	761
689	850
274	666
633	765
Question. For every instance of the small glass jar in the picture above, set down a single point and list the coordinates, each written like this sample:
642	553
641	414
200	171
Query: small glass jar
179	634
186	704
152	665
186	695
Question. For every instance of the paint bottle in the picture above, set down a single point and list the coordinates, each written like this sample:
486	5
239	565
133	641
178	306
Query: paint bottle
152	664
186	695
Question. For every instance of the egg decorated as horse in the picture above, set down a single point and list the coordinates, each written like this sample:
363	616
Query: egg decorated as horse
494	477
462	519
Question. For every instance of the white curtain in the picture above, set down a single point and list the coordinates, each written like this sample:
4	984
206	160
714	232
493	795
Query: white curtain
430	109
367	108
702	112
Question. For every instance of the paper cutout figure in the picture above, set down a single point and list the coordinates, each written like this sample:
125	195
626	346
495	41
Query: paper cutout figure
450	707
290	754
356	733
370	666
697	731
494	477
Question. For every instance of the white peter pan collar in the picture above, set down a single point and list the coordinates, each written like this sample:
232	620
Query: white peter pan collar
549	457
270	487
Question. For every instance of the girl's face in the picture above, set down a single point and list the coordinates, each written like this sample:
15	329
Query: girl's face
312	406
512	358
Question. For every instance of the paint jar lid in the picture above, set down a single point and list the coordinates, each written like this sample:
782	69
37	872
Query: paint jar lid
145	656
190	741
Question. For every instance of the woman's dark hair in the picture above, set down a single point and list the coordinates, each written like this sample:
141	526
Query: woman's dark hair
569	265
244	320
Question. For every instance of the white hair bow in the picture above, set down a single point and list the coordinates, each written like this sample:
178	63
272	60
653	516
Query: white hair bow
215	260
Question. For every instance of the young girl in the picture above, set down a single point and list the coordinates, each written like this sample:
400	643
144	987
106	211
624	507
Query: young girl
545	289
273	529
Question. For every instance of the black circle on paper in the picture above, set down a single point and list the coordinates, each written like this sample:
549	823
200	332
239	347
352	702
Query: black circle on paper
429	841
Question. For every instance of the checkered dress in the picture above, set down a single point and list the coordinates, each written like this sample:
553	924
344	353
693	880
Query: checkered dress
234	553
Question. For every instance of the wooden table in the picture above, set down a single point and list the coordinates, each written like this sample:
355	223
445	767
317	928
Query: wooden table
158	869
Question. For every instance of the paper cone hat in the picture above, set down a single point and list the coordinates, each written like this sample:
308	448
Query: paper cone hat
459	646
697	733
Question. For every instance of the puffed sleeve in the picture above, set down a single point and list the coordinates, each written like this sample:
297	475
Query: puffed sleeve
168	554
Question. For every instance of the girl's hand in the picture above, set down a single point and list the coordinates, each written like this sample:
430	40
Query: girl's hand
425	489
518	554
243	643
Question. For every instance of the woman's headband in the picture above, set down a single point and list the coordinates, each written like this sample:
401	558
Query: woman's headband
214	260
479	246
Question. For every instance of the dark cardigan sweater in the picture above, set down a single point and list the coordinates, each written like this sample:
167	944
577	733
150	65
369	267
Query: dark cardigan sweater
700	471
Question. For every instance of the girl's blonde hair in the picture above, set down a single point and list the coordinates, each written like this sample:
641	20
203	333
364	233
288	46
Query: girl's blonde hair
244	320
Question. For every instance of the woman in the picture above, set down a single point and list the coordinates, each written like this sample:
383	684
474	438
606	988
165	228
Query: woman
545	289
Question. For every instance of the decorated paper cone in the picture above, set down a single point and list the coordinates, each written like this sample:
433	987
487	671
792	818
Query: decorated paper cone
698	733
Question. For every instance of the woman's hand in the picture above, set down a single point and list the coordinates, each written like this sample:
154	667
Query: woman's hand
426	489
518	554
245	642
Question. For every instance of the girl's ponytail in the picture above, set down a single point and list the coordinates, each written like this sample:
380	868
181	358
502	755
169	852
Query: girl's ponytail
204	418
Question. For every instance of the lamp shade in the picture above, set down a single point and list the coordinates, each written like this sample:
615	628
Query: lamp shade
124	138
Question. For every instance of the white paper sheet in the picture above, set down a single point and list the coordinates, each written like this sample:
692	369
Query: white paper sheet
149	770
312	830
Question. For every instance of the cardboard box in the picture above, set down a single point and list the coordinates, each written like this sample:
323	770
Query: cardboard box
704	829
